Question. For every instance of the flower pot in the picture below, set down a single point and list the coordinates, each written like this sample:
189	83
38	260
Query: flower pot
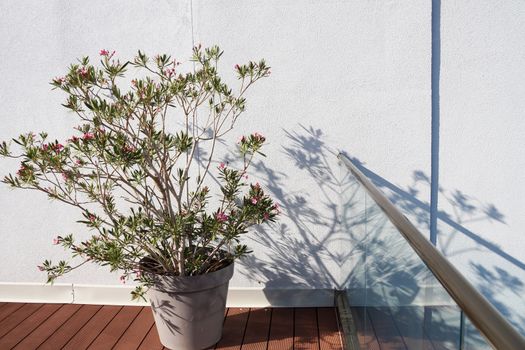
189	310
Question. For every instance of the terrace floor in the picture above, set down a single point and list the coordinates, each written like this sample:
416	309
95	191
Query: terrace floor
409	327
75	326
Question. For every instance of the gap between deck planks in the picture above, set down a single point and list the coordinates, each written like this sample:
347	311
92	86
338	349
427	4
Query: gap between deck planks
74	326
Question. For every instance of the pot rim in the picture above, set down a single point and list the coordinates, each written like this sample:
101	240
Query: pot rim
188	284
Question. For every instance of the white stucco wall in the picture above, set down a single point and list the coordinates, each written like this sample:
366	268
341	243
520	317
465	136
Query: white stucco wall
352	76
345	75
482	163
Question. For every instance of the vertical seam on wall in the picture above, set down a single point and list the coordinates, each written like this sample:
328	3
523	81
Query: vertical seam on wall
435	117
191	23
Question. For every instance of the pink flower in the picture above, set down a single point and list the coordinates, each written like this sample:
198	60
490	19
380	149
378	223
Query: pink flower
222	166
169	72
73	139
88	136
56	241
92	218
82	71
78	162
65	176
21	171
103	52
254	200
59	80
258	137
266	216
277	208
45	147
221	217
58	147
242	139
40	268
128	149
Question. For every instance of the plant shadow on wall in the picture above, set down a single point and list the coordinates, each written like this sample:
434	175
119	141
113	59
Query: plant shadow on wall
323	244
304	247
314	249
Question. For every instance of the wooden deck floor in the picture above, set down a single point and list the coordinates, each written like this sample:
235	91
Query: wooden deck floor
74	326
408	328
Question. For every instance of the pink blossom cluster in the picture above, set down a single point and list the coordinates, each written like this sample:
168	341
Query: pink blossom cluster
57	147
106	53
169	72
128	149
258	137
59	80
88	136
82	71
73	139
22	170
221	216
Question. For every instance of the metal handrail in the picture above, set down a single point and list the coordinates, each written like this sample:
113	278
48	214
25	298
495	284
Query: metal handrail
494	327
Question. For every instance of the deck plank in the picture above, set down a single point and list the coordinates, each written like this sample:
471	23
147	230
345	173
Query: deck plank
92	328
386	331
13	319
64	333
151	341
306	334
409	321
329	336
8	309
365	331
281	329
137	331
48	327
22	330
234	327
116	328
257	330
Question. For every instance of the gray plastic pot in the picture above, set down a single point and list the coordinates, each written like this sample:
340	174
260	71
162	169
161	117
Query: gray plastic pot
189	310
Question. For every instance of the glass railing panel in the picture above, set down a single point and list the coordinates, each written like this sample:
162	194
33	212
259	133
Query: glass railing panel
472	338
396	301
